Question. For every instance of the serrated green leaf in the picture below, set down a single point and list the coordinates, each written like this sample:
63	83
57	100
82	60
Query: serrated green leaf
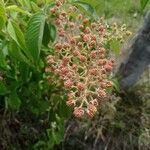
13	101
16	34
87	7
34	35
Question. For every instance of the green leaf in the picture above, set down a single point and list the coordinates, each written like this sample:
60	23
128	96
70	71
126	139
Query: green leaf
34	35
3	63
3	89
2	16
115	46
143	4
15	52
87	7
52	29
14	8
49	34
38	106
16	34
13	101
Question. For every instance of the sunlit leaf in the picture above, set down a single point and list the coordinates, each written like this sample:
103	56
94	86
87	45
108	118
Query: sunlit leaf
2	15
14	8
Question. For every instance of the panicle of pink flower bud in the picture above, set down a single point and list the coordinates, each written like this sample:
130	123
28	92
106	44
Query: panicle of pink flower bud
80	58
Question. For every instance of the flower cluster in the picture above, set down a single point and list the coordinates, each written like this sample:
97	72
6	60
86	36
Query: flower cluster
80	58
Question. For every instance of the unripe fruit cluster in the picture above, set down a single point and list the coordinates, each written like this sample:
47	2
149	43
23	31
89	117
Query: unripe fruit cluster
80	58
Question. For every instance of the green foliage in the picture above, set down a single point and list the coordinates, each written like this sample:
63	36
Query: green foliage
86	7
2	15
34	35
24	37
143	4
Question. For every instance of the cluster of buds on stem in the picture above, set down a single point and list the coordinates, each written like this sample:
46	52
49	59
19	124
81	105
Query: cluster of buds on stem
80	58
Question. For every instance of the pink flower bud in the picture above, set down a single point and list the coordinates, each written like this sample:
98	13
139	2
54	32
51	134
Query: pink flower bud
92	108
63	13
82	58
70	102
81	27
93	25
93	54
80	16
93	38
71	24
87	30
108	68
78	112
58	46
101	93
64	70
80	86
74	67
80	44
85	21
93	71
66	45
66	59
76	53
94	102
101	62
68	84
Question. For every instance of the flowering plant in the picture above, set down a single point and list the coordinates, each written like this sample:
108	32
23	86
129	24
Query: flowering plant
81	58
